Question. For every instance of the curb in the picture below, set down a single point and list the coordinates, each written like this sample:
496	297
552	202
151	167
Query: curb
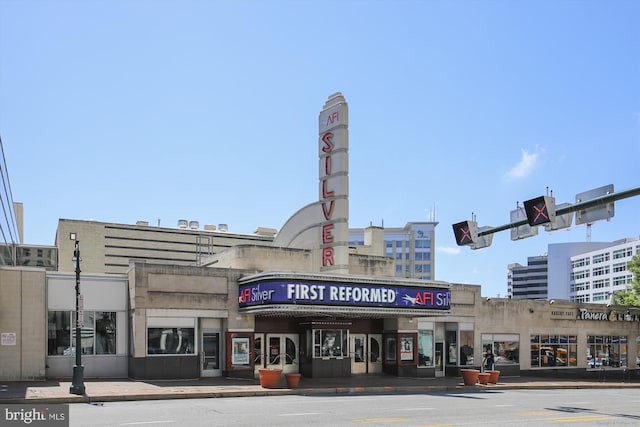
306	391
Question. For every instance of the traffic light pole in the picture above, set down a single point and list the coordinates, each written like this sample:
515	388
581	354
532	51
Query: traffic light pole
598	201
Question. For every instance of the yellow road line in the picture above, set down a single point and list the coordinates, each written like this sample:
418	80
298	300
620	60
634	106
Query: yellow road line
535	413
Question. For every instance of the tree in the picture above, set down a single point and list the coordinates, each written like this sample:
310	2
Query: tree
631	295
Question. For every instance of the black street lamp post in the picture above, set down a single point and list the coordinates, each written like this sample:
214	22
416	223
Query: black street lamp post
77	384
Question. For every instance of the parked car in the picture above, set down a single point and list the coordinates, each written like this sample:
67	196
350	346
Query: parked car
594	362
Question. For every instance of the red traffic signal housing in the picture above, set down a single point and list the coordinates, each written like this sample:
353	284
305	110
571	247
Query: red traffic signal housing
466	233
540	210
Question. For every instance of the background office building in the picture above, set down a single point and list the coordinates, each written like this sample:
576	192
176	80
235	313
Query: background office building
109	247
412	247
530	281
597	275
582	272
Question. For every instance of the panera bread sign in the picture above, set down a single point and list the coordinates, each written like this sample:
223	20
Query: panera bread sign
609	316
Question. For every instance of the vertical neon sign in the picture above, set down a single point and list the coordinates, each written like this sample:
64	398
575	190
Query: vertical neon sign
333	171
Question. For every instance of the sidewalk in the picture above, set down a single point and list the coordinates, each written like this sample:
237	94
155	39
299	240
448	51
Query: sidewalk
37	392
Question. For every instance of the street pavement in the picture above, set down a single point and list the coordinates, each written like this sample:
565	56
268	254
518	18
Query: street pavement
49	391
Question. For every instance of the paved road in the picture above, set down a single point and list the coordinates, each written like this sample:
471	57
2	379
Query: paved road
122	390
490	407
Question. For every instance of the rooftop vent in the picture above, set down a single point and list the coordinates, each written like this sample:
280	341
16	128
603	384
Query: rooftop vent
194	225
223	227
183	223
264	231
210	227
144	223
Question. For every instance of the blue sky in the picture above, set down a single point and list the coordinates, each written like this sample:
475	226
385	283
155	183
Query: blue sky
207	110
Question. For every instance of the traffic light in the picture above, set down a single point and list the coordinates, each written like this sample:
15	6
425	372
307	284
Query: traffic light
466	233
540	210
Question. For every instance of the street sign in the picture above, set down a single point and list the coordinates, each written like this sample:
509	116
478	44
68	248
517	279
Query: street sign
596	213
523	231
485	240
561	221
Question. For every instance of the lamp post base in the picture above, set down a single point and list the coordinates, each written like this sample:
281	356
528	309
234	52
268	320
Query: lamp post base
77	384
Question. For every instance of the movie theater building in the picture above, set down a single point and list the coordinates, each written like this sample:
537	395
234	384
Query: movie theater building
237	318
305	302
232	321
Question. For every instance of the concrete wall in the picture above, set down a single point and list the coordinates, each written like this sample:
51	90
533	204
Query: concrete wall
23	315
180	291
263	258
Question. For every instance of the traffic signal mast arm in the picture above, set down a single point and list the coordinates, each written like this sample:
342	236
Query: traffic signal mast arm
598	201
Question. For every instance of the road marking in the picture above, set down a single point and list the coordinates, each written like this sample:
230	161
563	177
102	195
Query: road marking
299	414
535	413
147	422
415	409
380	420
577	419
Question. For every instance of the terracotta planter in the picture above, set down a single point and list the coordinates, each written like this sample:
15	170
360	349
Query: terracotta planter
483	378
469	376
493	376
292	379
270	378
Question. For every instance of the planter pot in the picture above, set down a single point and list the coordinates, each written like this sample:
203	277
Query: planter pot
292	380
470	376
270	378
483	378
493	376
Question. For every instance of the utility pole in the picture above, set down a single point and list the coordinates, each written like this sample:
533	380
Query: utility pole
77	384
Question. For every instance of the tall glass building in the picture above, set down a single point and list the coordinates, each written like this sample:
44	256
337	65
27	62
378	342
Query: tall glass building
412	247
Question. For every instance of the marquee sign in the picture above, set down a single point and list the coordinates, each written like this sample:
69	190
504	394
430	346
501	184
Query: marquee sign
343	294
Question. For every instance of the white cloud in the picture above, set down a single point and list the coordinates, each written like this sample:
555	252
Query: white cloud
449	250
524	167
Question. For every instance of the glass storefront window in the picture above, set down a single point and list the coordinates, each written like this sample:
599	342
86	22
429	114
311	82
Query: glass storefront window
59	333
170	341
391	349
554	350
86	332
257	351
605	351
105	332
505	347
330	343
425	348
97	334
451	343
466	348
211	350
